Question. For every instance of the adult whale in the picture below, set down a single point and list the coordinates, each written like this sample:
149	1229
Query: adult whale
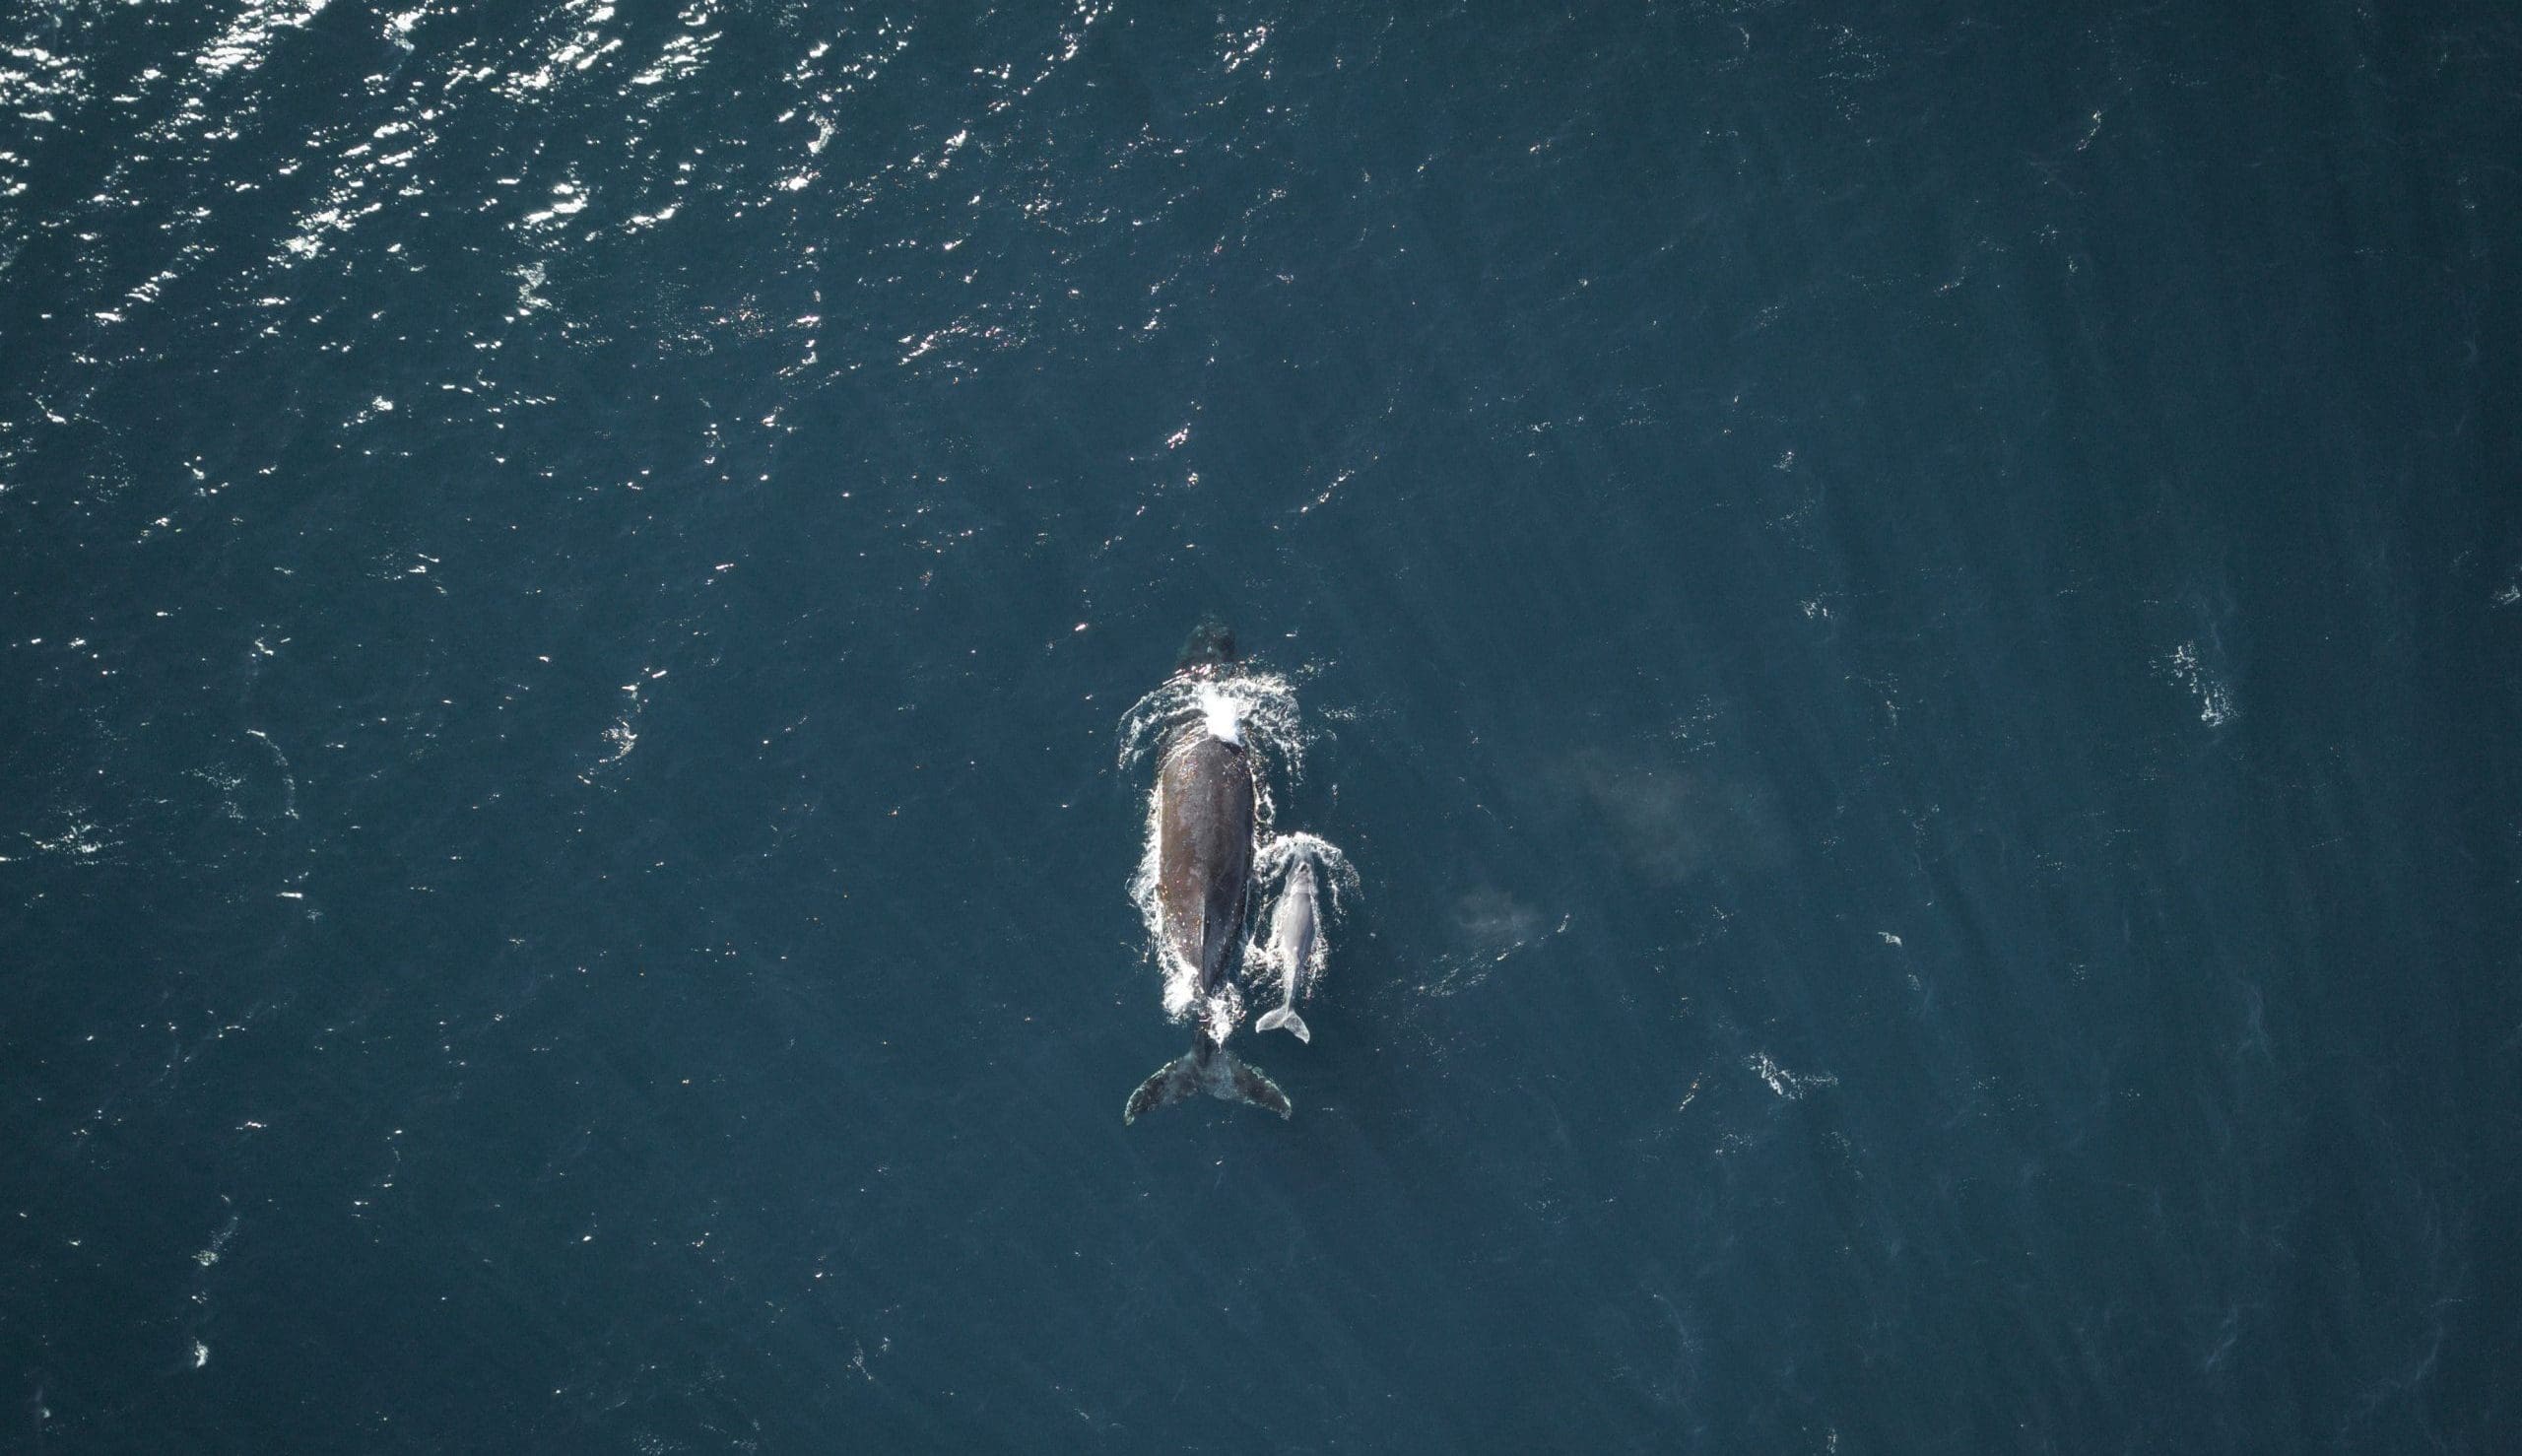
1204	823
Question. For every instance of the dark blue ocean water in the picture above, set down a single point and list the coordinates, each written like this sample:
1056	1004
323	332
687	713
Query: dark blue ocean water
1909	613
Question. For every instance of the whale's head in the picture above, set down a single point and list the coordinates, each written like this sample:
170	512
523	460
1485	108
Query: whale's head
1210	649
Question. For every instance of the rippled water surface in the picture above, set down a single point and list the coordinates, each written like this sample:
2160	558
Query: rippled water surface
1907	613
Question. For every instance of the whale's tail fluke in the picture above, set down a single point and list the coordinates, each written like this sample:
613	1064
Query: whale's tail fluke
1285	1016
1210	1069
1173	1082
1252	1086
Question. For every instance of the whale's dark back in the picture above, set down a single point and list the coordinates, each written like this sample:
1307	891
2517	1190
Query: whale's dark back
1204	853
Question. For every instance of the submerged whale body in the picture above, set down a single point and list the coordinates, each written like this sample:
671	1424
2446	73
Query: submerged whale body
1204	827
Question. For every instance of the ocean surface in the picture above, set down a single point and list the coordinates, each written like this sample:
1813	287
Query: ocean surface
1910	615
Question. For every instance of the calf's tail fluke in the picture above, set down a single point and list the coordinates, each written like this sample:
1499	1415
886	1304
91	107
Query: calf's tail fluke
1213	1070
1285	1016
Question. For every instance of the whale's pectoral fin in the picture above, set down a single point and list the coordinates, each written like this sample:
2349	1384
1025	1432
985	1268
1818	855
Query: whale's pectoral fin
1173	1082
1250	1084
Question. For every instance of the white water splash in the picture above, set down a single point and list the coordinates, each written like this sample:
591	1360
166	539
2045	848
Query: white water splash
1222	1013
624	735
80	841
1280	854
1181	979
1221	713
2215	700
1256	710
1785	1084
